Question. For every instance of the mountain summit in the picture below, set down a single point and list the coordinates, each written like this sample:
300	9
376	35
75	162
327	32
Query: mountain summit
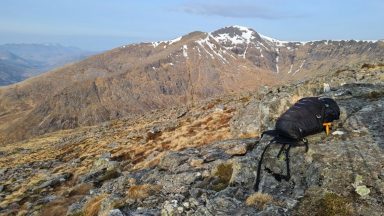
138	78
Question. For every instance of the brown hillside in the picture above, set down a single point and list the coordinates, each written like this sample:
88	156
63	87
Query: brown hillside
141	77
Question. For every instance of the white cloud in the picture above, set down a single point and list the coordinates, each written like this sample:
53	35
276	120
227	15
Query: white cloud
236	10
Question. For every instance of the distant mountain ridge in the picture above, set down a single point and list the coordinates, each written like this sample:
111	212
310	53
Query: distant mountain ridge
21	61
12	67
138	78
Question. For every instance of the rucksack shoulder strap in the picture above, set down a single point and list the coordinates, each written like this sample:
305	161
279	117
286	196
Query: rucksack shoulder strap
272	133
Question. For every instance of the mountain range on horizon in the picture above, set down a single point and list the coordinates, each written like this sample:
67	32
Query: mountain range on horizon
22	61
31	59
138	78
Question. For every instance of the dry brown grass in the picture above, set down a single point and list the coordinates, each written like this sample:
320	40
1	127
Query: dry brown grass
295	98
142	191
58	207
92	207
87	144
249	135
81	189
209	106
20	192
191	133
259	200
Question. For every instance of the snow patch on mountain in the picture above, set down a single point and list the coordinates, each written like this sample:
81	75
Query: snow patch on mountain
247	33
185	53
277	64
290	69
301	66
169	42
202	43
174	40
274	41
245	37
214	50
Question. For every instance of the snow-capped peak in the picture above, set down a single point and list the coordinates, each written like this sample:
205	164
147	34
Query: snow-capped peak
243	28
247	33
234	35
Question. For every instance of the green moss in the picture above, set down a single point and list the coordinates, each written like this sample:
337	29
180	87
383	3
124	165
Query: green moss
381	77
329	204
332	204
224	173
374	95
368	66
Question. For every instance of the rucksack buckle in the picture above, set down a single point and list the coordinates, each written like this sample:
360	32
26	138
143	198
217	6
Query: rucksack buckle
328	127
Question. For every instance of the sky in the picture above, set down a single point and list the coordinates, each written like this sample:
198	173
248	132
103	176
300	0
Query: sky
98	25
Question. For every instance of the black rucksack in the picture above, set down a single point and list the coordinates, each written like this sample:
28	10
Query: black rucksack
304	118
